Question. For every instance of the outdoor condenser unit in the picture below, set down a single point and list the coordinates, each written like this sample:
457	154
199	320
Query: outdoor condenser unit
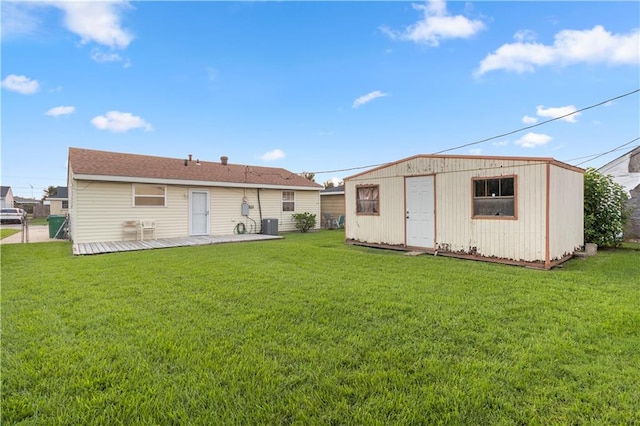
270	226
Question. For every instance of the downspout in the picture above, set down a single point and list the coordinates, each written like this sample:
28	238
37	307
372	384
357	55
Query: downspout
547	250
260	210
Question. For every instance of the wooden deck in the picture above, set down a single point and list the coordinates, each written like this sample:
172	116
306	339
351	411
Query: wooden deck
80	249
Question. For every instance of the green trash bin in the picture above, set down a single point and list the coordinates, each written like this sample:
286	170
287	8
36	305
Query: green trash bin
55	223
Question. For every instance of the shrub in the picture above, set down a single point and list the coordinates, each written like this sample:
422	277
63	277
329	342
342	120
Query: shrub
304	221
604	209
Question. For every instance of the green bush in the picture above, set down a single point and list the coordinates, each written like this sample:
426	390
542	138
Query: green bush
604	209
304	221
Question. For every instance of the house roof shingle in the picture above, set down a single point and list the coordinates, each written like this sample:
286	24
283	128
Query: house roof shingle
62	192
113	164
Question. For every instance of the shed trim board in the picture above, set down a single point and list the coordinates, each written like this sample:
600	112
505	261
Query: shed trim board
542	223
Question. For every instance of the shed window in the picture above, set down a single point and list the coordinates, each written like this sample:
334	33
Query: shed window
494	197
288	201
149	195
367	200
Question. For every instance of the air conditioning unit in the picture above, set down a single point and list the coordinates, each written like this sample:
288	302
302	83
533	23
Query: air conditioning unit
270	226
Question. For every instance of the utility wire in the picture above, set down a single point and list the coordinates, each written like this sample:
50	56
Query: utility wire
502	135
594	155
539	124
605	153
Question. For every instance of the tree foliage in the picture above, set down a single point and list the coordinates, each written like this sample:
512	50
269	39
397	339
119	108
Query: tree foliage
309	176
604	209
304	221
329	184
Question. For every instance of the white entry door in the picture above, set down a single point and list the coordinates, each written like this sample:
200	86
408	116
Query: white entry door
420	214
198	212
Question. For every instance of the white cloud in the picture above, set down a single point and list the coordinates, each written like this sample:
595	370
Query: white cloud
60	110
274	155
436	25
475	151
558	112
368	98
97	22
500	143
20	84
18	19
569	47
105	57
529	120
531	140
116	121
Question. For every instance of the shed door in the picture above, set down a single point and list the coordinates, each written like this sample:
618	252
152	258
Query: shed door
420	203
198	212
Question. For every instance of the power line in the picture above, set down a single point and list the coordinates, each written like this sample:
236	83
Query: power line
541	123
599	153
605	153
503	135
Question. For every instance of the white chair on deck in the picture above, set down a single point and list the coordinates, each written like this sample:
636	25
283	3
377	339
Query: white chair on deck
130	227
148	225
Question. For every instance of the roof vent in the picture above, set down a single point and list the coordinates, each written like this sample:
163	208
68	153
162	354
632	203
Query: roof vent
223	160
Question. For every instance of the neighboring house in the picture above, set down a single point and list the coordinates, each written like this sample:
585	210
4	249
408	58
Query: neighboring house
331	205
625	170
511	210
59	203
27	204
183	196
6	197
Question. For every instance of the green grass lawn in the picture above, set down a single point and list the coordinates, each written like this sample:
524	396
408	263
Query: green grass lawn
7	232
308	330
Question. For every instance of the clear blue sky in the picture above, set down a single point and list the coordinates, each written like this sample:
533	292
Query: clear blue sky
313	86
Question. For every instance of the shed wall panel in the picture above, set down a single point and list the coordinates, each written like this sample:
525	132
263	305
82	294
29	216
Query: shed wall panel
566	213
516	239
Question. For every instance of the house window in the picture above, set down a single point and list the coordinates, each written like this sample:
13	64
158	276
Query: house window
149	195
367	200
494	197
65	204
288	201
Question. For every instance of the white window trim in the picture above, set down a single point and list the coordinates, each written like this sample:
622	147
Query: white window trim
283	201
134	196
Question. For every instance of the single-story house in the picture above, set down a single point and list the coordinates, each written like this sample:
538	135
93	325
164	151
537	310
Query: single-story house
625	170
59	203
181	197
331	205
509	209
6	197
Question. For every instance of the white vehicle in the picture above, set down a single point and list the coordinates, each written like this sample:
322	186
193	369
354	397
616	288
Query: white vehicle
13	216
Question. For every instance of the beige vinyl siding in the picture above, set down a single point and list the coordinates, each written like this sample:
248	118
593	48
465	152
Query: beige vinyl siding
566	222
55	207
99	208
226	210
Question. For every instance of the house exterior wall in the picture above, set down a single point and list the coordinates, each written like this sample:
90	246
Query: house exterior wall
7	201
519	239
625	170
56	207
332	204
566	212
98	209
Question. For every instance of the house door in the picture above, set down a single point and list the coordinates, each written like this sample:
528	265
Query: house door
420	214
198	212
